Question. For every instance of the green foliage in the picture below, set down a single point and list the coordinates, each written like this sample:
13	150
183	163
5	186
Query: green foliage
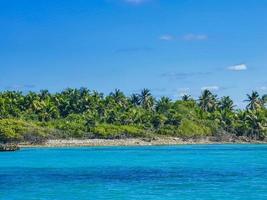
118	131
189	128
12	130
80	113
73	126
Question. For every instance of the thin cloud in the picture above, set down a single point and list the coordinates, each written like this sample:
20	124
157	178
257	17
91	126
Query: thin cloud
240	67
192	37
167	37
211	88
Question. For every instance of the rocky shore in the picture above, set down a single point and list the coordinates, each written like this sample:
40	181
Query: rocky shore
8	147
141	142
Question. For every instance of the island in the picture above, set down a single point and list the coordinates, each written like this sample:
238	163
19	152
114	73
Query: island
89	118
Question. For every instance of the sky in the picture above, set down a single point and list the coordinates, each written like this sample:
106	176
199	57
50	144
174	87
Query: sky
172	47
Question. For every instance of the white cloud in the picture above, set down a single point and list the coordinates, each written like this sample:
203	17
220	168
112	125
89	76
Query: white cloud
240	67
191	37
166	37
211	88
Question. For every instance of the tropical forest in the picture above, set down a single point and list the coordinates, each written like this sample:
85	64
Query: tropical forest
81	113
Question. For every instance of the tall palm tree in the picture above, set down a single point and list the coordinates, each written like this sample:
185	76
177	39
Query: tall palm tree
253	101
118	97
226	103
47	110
208	101
226	119
84	92
256	122
264	100
30	100
163	104
186	97
146	99
44	94
135	99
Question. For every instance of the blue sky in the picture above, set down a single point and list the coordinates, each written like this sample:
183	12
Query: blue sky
170	46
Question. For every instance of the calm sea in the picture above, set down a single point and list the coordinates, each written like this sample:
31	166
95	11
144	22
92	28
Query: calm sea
168	172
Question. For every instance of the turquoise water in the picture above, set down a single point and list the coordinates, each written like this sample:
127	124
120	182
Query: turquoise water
168	172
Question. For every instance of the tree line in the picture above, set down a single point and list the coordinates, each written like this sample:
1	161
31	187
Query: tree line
81	113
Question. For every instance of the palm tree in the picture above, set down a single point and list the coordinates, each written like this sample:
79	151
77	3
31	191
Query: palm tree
256	122
44	94
84	92
264	100
208	101
30	100
226	103
163	105
226	119
118	97
47	111
112	117
135	99
253	101
186	97
146	99
158	120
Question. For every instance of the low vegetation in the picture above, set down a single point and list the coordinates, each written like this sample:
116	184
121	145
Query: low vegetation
80	113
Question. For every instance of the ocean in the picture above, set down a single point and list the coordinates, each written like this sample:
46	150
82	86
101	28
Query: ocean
186	172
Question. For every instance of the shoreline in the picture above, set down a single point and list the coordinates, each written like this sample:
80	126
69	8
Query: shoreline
135	142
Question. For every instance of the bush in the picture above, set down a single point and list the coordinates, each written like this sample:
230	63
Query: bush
117	131
186	129
67	128
13	130
169	130
189	128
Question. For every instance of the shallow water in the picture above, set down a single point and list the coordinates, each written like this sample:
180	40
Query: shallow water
167	172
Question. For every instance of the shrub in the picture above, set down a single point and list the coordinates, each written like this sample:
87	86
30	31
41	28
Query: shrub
186	129
189	128
67	128
117	131
13	130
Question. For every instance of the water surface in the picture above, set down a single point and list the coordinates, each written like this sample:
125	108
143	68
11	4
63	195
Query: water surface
159	172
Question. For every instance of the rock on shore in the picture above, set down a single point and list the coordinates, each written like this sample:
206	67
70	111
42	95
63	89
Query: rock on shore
138	142
8	147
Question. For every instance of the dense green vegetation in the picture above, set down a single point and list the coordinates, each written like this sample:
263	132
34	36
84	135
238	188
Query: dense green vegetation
80	113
